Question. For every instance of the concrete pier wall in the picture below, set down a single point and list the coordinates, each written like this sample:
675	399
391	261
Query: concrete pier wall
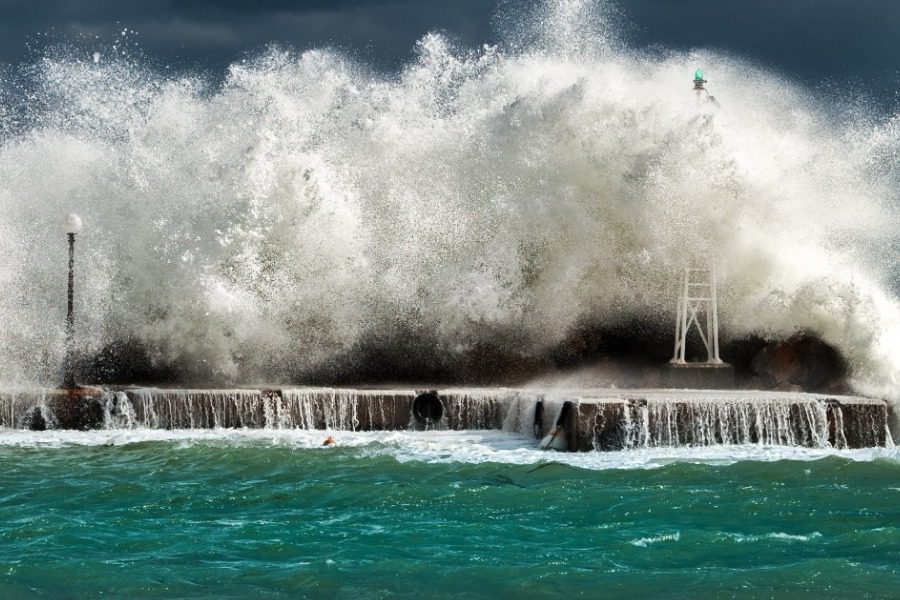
277	409
605	419
635	422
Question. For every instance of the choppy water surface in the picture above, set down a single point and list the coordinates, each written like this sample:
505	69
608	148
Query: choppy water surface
217	514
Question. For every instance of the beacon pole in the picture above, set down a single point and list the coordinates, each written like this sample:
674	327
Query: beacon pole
700	87
699	81
72	227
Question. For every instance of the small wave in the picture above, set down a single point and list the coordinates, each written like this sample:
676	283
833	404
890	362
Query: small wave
743	539
646	541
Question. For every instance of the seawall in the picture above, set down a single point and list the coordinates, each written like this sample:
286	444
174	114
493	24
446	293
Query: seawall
599	419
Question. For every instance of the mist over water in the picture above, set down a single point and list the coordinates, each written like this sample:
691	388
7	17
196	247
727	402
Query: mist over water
308	218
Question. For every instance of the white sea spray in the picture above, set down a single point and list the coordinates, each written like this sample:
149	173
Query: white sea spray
503	195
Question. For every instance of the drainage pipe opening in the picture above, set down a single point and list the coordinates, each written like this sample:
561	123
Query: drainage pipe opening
427	408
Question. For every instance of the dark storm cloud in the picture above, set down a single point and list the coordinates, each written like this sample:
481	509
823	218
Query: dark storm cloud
209	35
848	42
282	6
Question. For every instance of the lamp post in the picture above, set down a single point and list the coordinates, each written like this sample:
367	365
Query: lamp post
72	225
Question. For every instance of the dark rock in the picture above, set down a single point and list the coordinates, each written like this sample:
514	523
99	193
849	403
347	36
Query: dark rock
35	420
77	408
130	361
802	363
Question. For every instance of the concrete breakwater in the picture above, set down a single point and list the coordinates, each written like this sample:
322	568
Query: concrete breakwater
599	419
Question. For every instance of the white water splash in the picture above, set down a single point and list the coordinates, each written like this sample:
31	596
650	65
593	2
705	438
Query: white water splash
269	228
438	447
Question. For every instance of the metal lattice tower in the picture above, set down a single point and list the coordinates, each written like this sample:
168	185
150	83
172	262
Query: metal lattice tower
698	309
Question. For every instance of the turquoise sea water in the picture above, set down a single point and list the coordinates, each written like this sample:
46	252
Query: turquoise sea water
259	515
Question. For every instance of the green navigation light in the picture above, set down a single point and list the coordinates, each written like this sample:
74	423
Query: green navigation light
698	75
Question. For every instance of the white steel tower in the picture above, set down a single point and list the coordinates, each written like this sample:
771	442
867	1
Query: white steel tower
698	309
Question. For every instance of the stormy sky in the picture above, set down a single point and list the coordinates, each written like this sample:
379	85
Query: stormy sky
849	44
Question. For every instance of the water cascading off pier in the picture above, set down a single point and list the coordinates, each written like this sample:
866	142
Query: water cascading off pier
607	419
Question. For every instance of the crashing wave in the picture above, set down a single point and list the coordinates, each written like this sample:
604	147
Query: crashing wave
308	219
